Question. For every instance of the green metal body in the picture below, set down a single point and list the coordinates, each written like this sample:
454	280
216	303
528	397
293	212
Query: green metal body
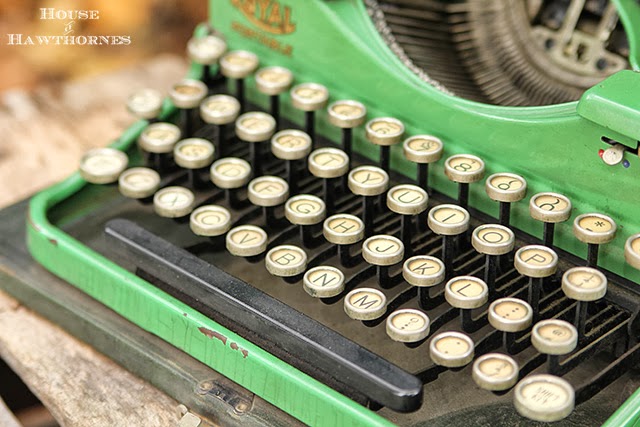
334	43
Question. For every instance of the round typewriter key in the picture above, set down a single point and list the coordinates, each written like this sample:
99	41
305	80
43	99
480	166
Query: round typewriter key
365	304
613	155
230	172
464	169
423	271
554	337
238	64
368	181
159	138
347	114
382	250
544	398
255	128
493	239
210	220
286	261
173	202
323	282
466	292
423	149
407	200
448	221
549	208
495	372
219	109
385	131
506	188
584	284
343	229
138	183
632	251
536	261
145	104
408	325
268	191
273	81
328	163
309	97
193	153
188	93
206	50
291	145
246	241
103	165
451	349
510	315
594	229
305	209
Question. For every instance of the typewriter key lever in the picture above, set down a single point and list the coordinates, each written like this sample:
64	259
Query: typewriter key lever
291	145
306	211
494	241
467	293
238	65
383	251
206	51
550	208
594	229
423	150
328	164
194	154
537	263
268	192
158	139
506	188
554	337
583	284
274	81
448	221
368	181
220	111
230	174
187	96
510	315
408	201
309	97
464	169
385	132
255	128
344	230
424	272
347	114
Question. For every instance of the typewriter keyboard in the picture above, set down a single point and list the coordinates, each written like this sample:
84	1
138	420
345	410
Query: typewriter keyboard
405	300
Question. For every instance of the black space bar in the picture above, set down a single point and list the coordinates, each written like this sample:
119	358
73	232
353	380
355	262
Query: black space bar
252	309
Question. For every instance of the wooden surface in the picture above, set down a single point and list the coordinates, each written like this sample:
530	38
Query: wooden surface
44	134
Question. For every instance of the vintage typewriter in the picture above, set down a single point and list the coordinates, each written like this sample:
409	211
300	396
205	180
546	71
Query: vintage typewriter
376	212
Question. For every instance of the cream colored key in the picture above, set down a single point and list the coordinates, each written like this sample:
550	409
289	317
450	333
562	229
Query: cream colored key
255	127
268	191
466	292
291	144
544	398
451	349
594	228
495	372
550	207
219	109
305	209
309	96
343	229
328	163
188	93
382	250
632	251
103	165
554	336
448	220
210	220
159	138
368	181
138	183
230	172
423	149
584	284
323	282
145	103
493	239
347	114
273	80
407	199
193	153
246	241
238	64
464	168
286	261
423	271
173	202
384	131
408	325
206	50
365	304
510	315
506	187
536	261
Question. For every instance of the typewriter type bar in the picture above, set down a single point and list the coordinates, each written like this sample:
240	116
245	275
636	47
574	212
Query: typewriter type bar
212	291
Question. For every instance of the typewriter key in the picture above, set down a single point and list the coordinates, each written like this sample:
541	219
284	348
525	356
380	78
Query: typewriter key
583	284
273	81
210	220
510	315
368	181
145	104
466	293
323	282
309	97
495	372
187	95
464	169
286	261
448	221
347	114
328	163
594	229
138	183
383	251
246	241
290	145
193	153
506	188
549	208
544	398
384	132
536	262
268	191
230	173
103	165
424	272
632	251
305	210
554	338
343	230
451	349
423	149
365	304
206	50
407	200
239	64
159	138
220	111
494	241
255	127
173	202
408	325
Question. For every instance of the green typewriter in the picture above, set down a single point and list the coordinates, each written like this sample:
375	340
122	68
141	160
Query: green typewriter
381	212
